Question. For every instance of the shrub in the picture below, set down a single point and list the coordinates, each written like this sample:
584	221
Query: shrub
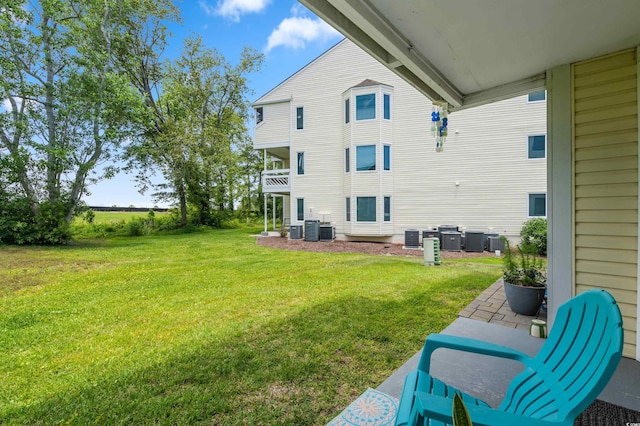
135	227
534	233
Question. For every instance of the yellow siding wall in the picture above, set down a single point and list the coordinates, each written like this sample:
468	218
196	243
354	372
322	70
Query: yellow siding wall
605	104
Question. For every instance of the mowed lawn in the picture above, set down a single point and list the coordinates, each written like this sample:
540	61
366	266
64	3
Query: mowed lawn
210	328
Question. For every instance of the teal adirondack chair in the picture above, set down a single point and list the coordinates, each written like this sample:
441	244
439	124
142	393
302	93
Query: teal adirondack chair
568	373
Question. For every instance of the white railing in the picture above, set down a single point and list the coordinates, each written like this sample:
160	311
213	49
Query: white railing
276	181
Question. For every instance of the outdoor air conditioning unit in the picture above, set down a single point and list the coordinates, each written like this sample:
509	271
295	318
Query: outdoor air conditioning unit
446	228
451	241
412	238
494	243
311	230
474	241
295	232
430	233
326	233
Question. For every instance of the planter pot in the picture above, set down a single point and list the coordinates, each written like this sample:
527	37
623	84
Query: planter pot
524	300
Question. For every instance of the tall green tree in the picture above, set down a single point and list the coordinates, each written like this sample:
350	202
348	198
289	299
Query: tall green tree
68	107
199	133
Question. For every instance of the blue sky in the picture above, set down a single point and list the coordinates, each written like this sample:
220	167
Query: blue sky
287	33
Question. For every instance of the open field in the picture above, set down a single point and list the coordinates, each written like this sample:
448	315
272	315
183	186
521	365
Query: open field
210	327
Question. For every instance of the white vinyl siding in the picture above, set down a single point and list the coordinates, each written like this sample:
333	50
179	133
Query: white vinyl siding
491	166
275	126
606	182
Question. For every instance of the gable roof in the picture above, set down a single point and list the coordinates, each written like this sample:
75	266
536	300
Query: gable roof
260	100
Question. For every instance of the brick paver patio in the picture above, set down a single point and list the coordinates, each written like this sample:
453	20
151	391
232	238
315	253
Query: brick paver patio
491	306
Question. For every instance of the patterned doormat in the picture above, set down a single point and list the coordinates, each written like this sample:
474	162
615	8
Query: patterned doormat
371	408
374	408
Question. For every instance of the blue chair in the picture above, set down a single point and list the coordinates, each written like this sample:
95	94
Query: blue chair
579	357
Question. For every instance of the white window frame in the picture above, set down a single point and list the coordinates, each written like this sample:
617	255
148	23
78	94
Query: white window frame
529	147
375	104
301	128
347	207
529	101
375	205
386	145
529	204
259	123
347	160
375	158
384	95
384	212
346	105
298	200
299	155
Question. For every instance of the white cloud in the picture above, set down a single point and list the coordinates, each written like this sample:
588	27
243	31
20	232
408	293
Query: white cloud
296	31
232	9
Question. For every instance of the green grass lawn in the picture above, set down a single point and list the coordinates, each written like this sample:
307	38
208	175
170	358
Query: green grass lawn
211	328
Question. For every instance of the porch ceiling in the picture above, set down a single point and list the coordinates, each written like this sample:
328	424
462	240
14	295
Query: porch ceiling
473	52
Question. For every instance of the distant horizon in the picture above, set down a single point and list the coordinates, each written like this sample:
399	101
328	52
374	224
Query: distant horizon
287	33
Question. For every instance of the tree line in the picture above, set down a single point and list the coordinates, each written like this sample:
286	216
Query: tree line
86	93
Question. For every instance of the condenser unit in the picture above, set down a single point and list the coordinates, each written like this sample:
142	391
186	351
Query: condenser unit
295	232
474	241
326	233
411	238
494	244
311	230
451	241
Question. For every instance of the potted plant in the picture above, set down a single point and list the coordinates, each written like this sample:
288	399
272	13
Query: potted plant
525	278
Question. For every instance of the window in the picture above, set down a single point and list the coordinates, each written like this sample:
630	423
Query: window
366	209
259	115
365	157
301	163
537	146
387	157
348	209
537	204
300	202
299	118
387	107
366	107
387	209
537	96
347	161
347	111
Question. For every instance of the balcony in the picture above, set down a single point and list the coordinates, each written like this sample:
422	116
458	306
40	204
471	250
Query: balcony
276	181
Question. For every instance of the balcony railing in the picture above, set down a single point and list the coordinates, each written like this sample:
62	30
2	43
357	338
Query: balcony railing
274	181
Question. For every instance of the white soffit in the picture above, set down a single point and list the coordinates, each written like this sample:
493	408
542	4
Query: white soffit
472	52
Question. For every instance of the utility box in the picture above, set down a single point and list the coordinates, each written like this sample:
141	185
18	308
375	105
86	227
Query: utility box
412	238
474	241
451	241
312	230
295	232
431	251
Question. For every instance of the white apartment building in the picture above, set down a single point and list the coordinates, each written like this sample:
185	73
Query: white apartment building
347	141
